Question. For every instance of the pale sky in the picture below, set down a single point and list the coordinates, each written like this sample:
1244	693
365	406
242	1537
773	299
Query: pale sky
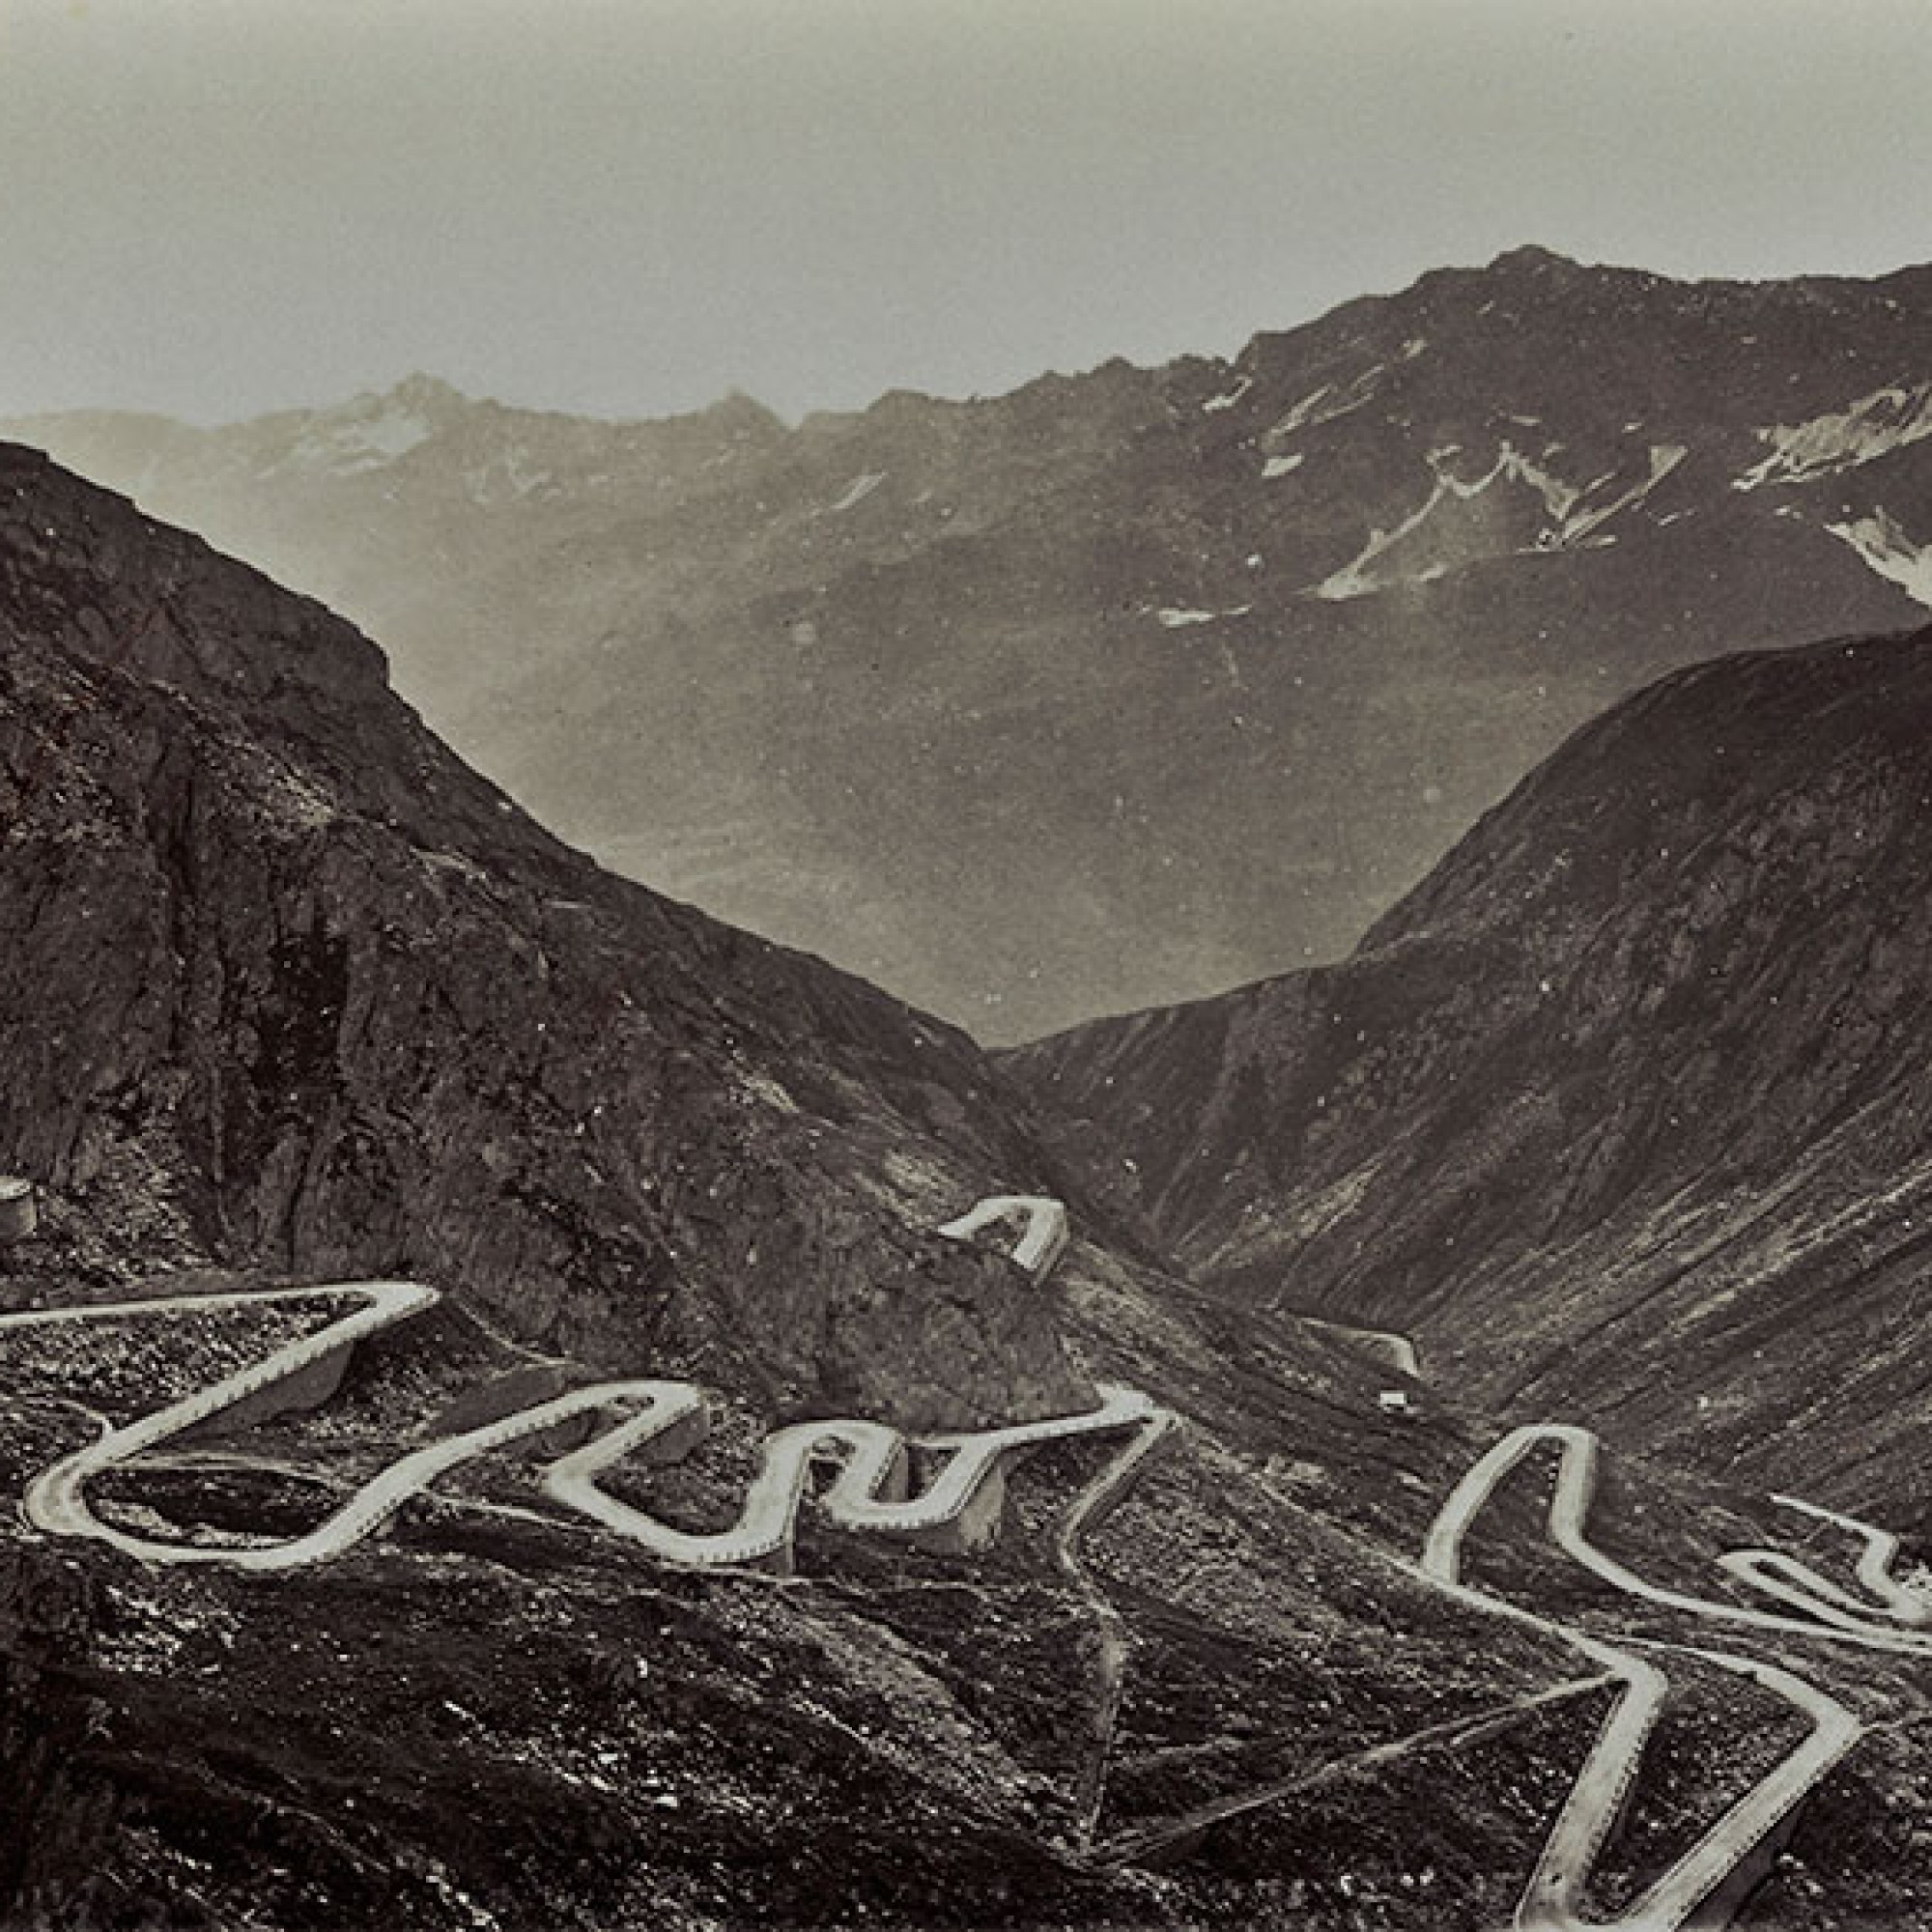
215	208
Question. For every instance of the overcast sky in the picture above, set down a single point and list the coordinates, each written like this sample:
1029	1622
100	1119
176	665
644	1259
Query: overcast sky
627	207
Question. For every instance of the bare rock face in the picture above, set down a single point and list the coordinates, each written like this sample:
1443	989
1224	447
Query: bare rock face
285	990
283	982
1624	1112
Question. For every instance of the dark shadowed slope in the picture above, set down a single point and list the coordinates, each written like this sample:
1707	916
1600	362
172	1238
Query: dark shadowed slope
1624	1113
872	683
284	985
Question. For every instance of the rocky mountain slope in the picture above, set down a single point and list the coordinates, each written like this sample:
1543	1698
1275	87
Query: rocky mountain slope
287	992
1622	1113
290	987
1205	663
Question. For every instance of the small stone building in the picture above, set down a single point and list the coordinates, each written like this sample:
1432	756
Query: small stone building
19	1212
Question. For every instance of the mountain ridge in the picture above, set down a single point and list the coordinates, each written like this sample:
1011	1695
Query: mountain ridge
290	999
1617	1112
832	680
341	1001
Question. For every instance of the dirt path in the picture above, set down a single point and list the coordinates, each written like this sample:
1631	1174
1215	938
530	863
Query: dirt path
1174	1833
1091	1508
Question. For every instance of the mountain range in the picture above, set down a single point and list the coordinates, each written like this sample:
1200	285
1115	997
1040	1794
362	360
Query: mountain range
1613	1121
1621	1114
1128	686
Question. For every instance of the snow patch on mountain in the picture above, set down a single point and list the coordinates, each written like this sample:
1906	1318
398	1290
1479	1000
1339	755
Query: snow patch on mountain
506	475
1664	457
1228	399
393	432
1355	579
364	434
1873	426
1175	618
1328	403
1282	466
861	487
1558	496
1358	577
1888	549
1572	519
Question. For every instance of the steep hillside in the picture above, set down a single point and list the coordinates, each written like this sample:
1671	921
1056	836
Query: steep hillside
287	985
288	993
1622	1115
872	683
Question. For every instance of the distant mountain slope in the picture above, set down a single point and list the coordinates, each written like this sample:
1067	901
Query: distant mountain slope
1201	665
1622	1113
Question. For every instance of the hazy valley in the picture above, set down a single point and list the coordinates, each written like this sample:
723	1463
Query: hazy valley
1205	663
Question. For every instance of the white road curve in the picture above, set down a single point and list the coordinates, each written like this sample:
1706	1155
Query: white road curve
1397	1350
868	1491
1708	1879
659	1421
1776	1573
1102	1495
1552	1901
1569	1516
1042	1223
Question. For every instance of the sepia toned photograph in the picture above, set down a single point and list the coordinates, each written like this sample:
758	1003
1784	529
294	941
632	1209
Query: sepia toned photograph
965	966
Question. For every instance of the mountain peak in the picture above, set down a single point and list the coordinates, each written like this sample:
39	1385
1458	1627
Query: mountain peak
428	394
743	414
1531	259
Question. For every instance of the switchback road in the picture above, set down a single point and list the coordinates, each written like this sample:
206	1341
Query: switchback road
655	1421
1711	1876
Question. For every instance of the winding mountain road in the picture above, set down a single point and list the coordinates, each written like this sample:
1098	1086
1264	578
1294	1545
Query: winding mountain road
868	1492
1714	1874
1043	1228
1776	1573
659	1421
662	1420
1568	1517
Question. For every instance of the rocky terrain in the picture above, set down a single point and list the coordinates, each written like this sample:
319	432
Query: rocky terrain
1128	686
1621	1115
289	994
287	984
